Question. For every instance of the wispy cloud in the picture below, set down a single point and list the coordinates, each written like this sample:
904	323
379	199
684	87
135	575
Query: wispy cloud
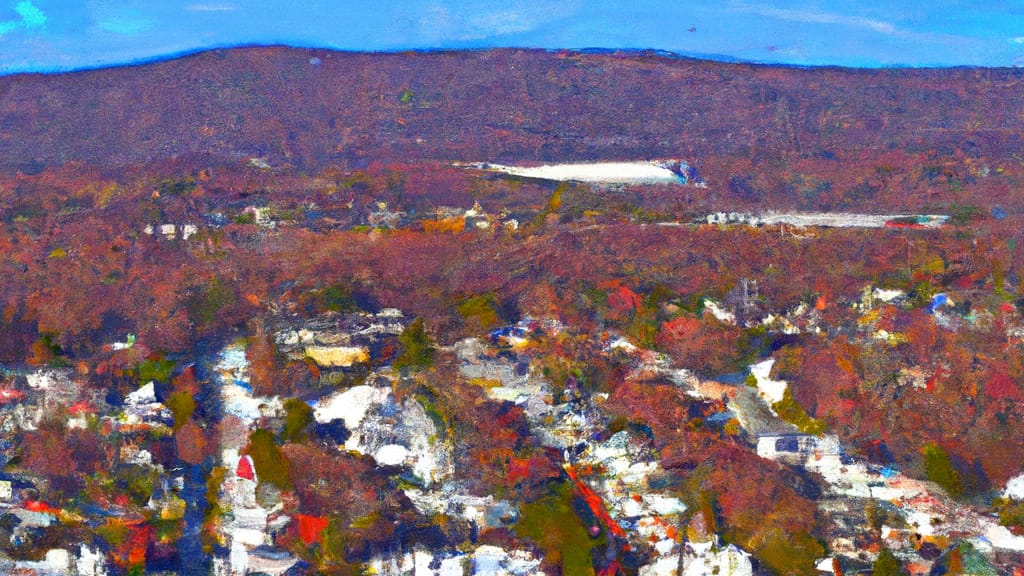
31	17
1017	40
123	21
210	8
502	22
816	17
126	26
483	19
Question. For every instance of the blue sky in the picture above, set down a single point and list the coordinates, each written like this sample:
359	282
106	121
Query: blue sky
44	35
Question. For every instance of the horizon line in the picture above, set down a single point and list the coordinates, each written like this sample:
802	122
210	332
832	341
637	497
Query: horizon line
656	52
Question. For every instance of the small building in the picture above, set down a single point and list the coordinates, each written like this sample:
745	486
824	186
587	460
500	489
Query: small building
798	449
337	356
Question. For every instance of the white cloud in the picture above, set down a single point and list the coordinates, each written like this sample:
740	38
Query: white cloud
210	8
486	18
436	23
1017	40
31	17
815	17
127	26
505	22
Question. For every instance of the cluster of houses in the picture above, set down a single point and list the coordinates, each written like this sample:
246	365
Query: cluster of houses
29	397
171	231
926	521
615	475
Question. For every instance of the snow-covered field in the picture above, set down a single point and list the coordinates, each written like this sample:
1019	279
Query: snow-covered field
642	172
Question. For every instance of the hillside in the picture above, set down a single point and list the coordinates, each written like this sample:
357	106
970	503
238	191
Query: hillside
313	108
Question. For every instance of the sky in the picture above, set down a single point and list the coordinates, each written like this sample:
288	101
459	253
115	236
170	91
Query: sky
57	35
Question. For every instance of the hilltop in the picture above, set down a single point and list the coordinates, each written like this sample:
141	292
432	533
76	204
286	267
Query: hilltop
310	109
